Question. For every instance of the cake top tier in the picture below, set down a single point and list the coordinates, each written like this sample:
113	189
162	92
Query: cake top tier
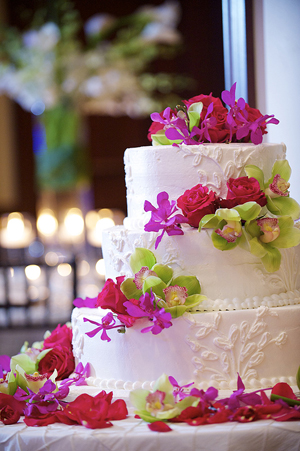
174	169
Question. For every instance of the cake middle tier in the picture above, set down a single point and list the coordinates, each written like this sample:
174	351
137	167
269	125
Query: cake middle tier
234	279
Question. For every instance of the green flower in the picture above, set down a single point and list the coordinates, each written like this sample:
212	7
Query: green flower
276	188
150	275
159	404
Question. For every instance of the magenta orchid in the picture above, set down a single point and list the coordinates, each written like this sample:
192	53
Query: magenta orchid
87	302
46	400
180	391
146	308
162	219
78	377
108	322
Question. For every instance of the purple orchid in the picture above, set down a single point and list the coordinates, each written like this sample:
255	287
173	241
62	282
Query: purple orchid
167	119
87	302
108	322
147	308
254	128
180	130
162	219
79	376
180	390
207	123
240	398
4	365
45	401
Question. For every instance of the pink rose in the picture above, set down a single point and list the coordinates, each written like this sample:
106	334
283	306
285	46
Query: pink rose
60	336
111	296
196	203
60	358
242	190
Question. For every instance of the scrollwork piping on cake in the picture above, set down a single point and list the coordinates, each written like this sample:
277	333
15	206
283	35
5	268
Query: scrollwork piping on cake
238	350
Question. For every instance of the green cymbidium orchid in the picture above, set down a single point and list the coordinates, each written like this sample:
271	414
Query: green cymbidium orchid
227	224
8	385
155	277
276	189
33	381
164	407
269	253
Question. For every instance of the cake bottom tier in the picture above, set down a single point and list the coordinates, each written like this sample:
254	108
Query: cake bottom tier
209	349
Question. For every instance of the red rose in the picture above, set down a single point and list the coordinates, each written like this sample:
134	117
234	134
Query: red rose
111	296
242	190
219	133
196	203
60	358
10	409
60	336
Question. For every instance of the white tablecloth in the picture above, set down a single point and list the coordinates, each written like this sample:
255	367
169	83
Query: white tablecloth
134	435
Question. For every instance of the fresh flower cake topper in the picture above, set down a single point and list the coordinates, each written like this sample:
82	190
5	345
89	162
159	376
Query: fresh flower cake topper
258	215
204	119
153	293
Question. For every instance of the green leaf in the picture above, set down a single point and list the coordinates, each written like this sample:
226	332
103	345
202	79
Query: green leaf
209	222
160	139
272	259
248	211
257	173
220	243
164	272
283	206
194	118
191	283
289	401
141	257
156	284
129	289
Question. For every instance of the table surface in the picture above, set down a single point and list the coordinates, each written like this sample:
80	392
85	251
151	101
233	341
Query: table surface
133	434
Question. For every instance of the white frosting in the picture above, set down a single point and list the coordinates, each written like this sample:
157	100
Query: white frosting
262	345
232	279
150	170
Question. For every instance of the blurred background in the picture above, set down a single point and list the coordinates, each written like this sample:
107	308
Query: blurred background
78	81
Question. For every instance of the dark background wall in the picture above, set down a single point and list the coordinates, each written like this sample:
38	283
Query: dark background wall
201	59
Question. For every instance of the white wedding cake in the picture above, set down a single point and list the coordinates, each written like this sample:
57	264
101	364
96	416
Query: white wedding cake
248	320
